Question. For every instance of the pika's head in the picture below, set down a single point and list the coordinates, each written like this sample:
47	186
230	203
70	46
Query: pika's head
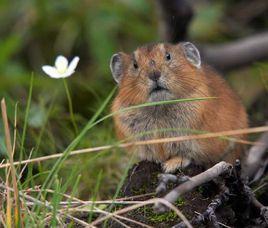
157	72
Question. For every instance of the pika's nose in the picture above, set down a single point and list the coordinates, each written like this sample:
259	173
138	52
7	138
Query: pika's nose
155	75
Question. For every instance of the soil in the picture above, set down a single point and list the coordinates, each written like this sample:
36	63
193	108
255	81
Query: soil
142	179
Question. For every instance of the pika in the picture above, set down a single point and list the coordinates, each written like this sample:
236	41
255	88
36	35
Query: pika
160	72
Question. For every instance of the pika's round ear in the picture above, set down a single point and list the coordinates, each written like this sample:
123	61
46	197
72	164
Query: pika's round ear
116	66
192	54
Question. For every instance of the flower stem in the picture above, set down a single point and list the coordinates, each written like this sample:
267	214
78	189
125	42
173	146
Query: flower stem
70	105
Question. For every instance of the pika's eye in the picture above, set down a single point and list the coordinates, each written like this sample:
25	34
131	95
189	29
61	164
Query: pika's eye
168	57
135	64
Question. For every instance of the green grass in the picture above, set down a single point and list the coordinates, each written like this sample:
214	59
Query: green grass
53	179
60	184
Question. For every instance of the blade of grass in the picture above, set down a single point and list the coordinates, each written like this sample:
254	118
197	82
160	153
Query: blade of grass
148	105
74	187
91	124
26	117
69	183
119	186
39	139
12	167
45	122
95	196
70	103
55	203
15	129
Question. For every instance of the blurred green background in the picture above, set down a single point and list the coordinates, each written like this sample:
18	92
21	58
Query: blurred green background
34	32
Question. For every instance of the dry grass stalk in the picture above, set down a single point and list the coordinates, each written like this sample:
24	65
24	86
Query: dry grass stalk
38	202
82	203
13	171
9	201
125	218
2	219
147	142
78	202
79	221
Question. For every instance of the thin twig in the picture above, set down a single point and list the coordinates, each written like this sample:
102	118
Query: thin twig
97	210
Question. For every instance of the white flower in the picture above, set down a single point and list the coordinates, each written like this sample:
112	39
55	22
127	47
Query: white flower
61	68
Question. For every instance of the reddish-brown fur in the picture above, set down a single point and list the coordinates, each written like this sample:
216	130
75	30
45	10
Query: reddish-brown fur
183	80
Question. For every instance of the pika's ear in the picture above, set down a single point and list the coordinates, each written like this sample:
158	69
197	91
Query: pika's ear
192	54
116	66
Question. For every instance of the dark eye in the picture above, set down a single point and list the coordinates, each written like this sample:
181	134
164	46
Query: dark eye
168	57
135	64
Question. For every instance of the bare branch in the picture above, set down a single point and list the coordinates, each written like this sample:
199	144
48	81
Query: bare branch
255	160
209	214
206	176
237	53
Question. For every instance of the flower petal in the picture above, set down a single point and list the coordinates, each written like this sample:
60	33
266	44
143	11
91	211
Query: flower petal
61	64
51	71
73	63
71	67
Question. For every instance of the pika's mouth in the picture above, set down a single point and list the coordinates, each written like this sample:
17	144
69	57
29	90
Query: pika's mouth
157	89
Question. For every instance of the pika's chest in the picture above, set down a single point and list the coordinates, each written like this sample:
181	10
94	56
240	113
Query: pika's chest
154	122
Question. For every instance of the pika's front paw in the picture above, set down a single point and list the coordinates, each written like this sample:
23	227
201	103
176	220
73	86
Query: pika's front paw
171	165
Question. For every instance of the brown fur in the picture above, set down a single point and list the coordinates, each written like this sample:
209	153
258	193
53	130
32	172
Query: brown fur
183	80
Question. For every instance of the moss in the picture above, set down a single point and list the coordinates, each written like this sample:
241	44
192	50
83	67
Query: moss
153	217
141	190
179	202
201	189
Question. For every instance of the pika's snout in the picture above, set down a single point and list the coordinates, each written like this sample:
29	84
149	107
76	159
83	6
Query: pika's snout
154	75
